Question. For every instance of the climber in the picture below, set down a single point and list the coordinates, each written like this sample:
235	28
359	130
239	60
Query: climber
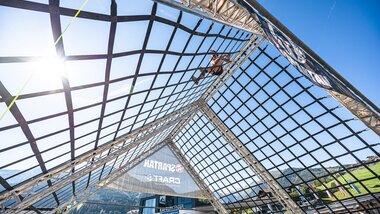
216	66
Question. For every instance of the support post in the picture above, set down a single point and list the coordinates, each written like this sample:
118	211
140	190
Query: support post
92	160
207	193
267	178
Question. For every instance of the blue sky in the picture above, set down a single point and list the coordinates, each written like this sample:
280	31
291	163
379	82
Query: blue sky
345	33
335	29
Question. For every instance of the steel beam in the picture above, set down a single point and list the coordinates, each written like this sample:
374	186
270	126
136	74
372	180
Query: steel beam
267	178
94	188
92	160
206	191
223	11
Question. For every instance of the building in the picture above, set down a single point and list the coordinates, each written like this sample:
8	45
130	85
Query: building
172	205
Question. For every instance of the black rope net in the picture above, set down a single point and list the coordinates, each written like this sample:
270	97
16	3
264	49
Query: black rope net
132	67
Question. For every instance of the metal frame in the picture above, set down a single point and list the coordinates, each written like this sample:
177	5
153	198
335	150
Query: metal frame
240	58
92	161
223	11
202	185
281	195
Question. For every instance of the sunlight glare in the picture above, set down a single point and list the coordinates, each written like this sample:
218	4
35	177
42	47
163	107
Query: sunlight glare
50	71
50	67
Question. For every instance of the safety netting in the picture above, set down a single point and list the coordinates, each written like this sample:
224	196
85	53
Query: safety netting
84	100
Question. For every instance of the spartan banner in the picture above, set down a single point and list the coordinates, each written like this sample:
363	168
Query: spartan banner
304	63
160	173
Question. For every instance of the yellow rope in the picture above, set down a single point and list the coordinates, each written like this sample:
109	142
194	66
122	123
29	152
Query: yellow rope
31	76
71	21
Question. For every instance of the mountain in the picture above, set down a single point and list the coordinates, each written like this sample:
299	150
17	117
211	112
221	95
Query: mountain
110	201
288	176
291	176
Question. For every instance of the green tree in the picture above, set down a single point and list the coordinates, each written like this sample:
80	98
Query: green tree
333	188
294	195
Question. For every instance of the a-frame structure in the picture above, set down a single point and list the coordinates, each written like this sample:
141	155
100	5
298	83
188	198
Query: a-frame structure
272	120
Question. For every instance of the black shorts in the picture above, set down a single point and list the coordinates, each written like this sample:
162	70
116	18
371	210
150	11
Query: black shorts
219	72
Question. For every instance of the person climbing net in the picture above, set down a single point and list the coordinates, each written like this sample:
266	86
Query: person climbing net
216	66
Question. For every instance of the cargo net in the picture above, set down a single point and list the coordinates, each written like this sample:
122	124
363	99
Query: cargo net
325	159
123	69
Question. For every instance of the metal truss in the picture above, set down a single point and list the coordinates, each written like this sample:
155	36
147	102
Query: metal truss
281	195
94	188
230	69
94	159
202	185
368	116
223	11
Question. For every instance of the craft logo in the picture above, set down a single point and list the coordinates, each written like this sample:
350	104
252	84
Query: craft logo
163	166
163	179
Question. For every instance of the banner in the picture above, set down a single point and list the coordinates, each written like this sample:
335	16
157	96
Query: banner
160	173
303	62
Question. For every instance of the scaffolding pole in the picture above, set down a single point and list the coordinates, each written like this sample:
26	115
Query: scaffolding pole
281	195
